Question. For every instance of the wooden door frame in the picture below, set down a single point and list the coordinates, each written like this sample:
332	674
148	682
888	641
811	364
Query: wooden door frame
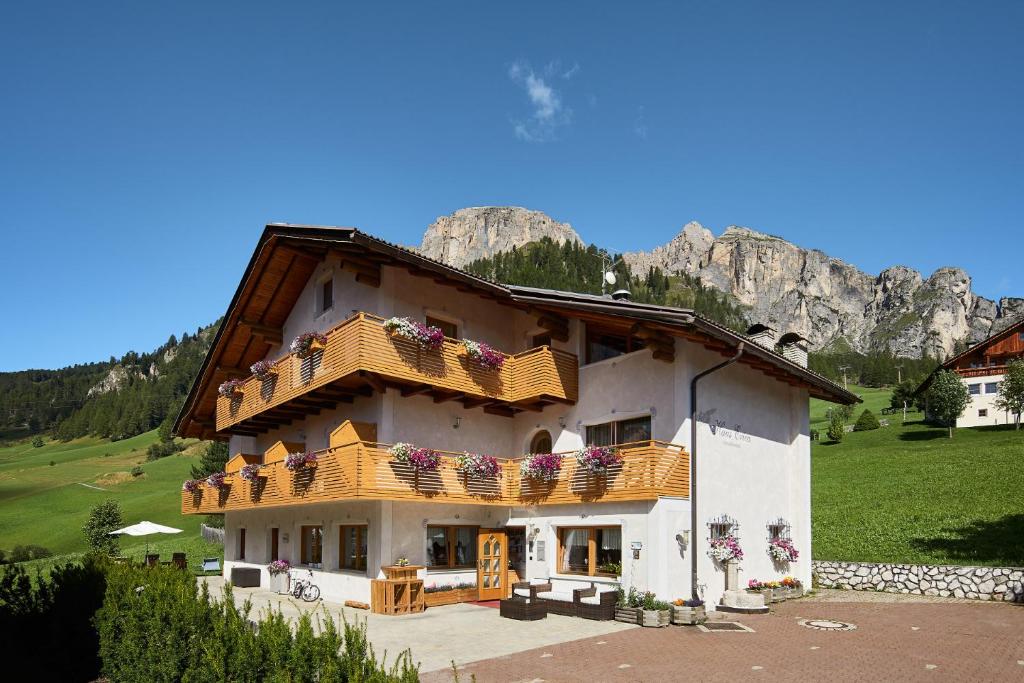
504	563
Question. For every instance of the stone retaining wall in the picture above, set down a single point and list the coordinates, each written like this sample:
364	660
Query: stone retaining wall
978	583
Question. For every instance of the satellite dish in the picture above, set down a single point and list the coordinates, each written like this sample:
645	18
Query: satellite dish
609	277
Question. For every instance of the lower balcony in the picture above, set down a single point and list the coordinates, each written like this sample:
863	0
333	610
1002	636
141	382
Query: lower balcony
364	470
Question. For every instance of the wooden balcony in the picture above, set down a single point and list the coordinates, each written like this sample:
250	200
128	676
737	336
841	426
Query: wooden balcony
986	371
364	471
361	357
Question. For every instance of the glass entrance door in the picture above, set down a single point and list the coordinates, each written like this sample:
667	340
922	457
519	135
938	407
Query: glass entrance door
492	565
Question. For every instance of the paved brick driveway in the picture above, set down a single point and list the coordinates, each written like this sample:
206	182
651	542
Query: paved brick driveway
907	641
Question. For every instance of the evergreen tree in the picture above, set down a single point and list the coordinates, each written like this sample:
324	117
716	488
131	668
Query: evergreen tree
214	458
947	398
836	427
866	422
103	518
1011	391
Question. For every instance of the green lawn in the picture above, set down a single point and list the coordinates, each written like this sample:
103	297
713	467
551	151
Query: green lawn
907	493
44	504
874	399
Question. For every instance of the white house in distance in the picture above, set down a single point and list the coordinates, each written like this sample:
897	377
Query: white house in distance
982	368
575	370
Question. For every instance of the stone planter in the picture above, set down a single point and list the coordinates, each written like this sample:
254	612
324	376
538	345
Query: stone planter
655	618
689	616
767	593
279	582
628	615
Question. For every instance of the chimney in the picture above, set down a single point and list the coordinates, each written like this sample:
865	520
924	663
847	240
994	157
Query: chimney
762	335
621	295
794	348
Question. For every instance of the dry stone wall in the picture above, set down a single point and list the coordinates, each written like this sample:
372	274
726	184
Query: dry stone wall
978	583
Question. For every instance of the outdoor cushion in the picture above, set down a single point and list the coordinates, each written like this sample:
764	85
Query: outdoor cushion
521	592
555	595
592	600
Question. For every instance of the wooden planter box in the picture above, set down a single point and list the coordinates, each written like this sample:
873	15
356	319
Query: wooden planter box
689	616
655	618
452	597
628	615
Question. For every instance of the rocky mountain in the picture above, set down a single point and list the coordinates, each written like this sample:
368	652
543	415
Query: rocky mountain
473	233
832	303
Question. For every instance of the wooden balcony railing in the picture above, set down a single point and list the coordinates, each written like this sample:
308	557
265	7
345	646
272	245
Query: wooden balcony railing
361	344
986	371
365	471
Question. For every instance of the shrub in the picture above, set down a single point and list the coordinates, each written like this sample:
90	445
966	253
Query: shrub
37	442
103	518
162	449
24	553
836	427
53	463
137	471
866	422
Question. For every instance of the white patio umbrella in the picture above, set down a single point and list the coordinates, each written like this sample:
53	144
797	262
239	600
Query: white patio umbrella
145	529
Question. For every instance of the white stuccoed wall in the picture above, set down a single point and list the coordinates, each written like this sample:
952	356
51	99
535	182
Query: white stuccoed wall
983	401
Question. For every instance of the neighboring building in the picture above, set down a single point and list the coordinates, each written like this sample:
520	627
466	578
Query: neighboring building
982	368
580	369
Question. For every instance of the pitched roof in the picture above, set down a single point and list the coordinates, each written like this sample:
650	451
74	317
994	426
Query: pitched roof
286	256
1013	328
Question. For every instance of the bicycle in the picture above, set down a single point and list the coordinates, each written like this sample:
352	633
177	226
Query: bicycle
305	588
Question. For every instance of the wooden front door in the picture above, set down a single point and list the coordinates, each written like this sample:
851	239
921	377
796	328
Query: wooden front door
492	565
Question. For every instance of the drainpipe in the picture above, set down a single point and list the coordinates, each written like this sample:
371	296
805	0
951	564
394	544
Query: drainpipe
693	464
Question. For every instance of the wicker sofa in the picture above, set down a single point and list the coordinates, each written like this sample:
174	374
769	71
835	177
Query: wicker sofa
587	603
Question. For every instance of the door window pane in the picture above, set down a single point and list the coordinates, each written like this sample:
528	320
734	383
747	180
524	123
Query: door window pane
608	546
437	546
353	547
600	435
312	545
465	546
575	550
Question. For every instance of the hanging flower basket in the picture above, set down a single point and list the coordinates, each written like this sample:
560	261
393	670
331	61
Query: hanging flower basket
192	485
783	550
477	465
262	370
597	459
487	356
421	459
300	461
541	466
308	343
231	389
251	472
217	480
425	336
725	549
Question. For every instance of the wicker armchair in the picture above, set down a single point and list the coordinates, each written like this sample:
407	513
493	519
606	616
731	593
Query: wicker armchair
603	610
534	588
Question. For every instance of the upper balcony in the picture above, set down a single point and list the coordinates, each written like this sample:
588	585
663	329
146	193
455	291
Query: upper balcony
363	470
360	357
983	371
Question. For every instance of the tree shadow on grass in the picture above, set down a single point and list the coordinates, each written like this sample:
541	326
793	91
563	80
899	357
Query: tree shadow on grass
930	435
999	541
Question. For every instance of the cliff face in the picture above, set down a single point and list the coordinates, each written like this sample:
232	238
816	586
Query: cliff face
793	289
470	234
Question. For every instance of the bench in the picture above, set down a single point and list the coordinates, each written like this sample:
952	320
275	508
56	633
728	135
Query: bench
586	603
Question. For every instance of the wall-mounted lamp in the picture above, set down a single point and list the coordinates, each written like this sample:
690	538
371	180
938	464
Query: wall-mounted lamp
456	421
683	538
561	421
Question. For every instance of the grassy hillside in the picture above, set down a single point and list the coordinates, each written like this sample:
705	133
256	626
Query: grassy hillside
874	399
907	493
46	504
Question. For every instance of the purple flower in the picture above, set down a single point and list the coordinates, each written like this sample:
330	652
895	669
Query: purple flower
262	369
597	459
298	461
231	388
303	345
541	466
251	472
477	465
485	355
191	485
217	480
426	337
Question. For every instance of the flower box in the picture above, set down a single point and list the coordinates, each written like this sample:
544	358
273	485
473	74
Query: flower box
424	336
628	615
689	616
308	343
451	597
655	618
768	593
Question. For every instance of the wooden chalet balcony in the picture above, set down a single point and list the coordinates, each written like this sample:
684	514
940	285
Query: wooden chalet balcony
982	372
365	471
361	357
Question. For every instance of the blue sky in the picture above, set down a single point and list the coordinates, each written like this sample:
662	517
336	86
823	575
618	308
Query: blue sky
143	147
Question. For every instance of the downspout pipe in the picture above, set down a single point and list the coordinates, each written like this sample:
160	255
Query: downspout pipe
693	463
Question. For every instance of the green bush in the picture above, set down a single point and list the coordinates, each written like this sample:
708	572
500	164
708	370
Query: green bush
24	553
46	624
37	442
162	449
157	625
866	422
137	471
103	518
836	427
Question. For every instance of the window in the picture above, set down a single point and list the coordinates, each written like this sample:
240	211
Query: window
451	546
603	344
541	442
352	547
450	329
623	431
592	551
241	544
312	545
983	412
274	545
991	387
543	339
776	530
975	389
325	296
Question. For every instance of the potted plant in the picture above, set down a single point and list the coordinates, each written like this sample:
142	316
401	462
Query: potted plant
262	370
655	613
308	343
251	472
420	459
541	466
628	607
231	389
597	459
435	595
278	570
782	550
300	461
725	549
478	466
793	586
218	480
192	486
688	612
425	336
487	356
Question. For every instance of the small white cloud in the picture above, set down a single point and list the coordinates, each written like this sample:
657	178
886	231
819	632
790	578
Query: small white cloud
548	111
573	70
639	124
